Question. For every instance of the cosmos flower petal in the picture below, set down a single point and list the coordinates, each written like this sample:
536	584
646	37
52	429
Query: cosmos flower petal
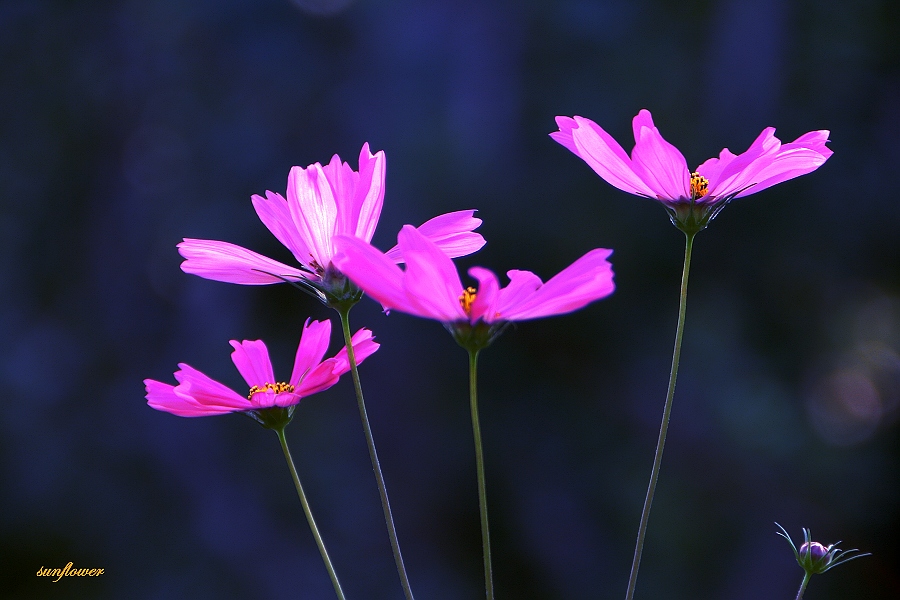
364	346
273	211
658	163
606	157
521	285
326	374
452	232
314	341
739	173
313	209
485	305
788	164
222	261
251	357
163	397
372	271
587	279
431	280
369	194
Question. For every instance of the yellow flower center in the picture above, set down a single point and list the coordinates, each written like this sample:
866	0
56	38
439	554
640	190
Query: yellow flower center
467	298
699	185
278	388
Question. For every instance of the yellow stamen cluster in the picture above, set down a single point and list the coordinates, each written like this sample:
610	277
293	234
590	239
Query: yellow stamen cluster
467	298
699	185
278	388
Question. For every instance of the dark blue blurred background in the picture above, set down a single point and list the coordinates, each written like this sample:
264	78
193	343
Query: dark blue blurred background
125	126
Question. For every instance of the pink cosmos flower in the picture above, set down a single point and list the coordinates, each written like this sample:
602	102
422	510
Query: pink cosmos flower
322	202
430	286
656	169
197	395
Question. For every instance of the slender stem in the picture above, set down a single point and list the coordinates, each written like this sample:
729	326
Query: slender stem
667	410
479	462
803	583
309	517
376	465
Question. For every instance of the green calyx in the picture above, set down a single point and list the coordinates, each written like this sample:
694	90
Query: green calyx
475	337
274	417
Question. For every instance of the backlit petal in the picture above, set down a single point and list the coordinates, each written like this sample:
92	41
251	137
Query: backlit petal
314	340
313	209
273	211
369	192
658	163
431	280
371	270
452	232
587	279
485	305
607	158
222	261
251	357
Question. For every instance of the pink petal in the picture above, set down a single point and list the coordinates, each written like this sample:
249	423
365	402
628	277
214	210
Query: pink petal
522	284
587	279
343	181
564	136
162	396
452	232
369	193
327	373
657	162
371	270
314	341
712	168
788	164
252	361
273	211
198	392
313	209
319	379
606	157
364	346
222	261
431	280
740	171
485	305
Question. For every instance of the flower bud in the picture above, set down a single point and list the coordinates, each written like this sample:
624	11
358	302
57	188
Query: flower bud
814	557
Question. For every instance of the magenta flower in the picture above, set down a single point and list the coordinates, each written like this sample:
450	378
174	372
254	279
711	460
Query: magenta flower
197	395
656	169
430	286
322	202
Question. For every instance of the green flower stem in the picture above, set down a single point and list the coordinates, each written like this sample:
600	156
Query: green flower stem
803	584
344	311
479	462
667	410
309	517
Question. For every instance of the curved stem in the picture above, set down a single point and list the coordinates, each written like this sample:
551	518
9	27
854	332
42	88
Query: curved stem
664	426
479	462
309	517
803	584
376	465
